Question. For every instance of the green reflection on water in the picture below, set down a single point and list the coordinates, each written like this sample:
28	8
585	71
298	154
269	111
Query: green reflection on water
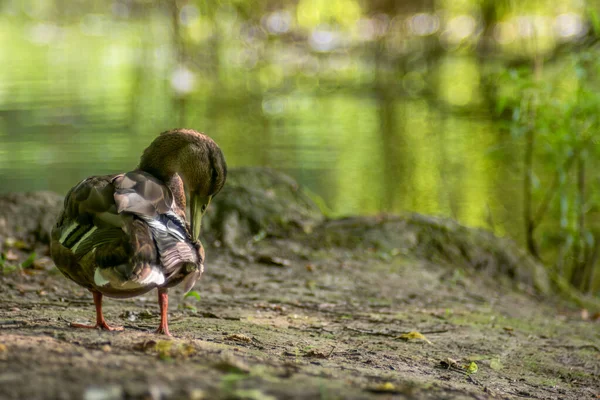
90	104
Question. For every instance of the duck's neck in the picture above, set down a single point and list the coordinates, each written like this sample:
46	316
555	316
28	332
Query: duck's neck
162	160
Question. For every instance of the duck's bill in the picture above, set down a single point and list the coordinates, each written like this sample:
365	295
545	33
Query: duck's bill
198	205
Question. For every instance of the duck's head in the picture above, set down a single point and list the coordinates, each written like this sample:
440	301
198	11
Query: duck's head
199	162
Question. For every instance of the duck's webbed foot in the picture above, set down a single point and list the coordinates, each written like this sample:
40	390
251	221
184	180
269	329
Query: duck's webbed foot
100	322
163	330
99	325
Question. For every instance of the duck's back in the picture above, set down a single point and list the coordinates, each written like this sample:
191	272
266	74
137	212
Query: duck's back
124	235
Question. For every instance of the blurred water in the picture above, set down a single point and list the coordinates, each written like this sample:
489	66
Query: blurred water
80	100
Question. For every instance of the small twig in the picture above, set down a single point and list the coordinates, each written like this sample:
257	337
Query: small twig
572	347
524	394
374	333
472	380
331	352
11	324
392	334
434	331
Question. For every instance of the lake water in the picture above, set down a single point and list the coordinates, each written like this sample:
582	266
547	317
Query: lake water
86	98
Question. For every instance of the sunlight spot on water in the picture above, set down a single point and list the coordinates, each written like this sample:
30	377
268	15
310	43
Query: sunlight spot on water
323	39
278	22
273	106
569	25
182	80
459	28
368	29
43	33
525	26
423	24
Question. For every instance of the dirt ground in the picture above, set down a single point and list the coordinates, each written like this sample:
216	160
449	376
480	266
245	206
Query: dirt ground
295	306
334	326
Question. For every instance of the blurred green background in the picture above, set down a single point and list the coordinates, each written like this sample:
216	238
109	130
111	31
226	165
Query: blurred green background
484	111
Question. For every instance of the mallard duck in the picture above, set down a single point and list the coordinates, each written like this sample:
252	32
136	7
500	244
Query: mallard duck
123	235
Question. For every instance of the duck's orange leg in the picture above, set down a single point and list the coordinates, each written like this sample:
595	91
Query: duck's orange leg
100	322
163	302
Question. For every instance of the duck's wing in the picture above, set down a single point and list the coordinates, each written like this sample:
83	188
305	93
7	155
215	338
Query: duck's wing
91	234
89	207
89	221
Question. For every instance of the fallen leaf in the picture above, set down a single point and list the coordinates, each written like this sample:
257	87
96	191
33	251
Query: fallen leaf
197	394
17	244
471	368
145	345
385	387
104	392
315	354
28	261
237	337
414	335
11	255
164	349
585	314
251	394
496	365
43	263
277	261
3	348
449	363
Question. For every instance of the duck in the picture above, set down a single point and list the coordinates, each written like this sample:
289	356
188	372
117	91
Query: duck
123	235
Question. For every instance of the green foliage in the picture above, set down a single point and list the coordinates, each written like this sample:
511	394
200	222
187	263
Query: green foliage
554	110
28	261
185	304
193	294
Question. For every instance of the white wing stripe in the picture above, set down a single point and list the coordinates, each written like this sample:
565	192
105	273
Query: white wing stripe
68	231
99	280
87	234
